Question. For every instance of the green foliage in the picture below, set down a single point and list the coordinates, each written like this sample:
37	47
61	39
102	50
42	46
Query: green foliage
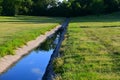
67	8
8	7
72	8
97	7
25	7
111	5
0	7
40	6
58	62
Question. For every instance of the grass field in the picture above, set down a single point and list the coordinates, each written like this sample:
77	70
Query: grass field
91	49
16	31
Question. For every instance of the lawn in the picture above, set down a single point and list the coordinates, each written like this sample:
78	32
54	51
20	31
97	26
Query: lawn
91	49
17	31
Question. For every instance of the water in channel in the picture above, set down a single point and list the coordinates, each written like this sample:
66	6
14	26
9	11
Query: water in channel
33	65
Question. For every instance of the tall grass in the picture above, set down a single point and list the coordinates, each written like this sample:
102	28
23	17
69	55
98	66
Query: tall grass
17	31
91	51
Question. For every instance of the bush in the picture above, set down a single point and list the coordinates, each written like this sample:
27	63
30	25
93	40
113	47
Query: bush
58	63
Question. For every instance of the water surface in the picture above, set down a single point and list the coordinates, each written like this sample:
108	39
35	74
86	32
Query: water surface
33	65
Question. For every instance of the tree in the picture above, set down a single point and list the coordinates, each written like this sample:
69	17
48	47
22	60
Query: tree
10	7
40	6
66	8
96	7
0	6
111	5
80	7
25	7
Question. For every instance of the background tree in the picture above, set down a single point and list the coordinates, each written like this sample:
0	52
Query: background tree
40	6
25	7
10	7
96	7
0	7
66	8
111	5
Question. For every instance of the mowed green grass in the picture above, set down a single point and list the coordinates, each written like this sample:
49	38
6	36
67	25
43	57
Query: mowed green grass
91	49
17	31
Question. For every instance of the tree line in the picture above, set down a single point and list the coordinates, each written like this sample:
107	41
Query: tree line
66	8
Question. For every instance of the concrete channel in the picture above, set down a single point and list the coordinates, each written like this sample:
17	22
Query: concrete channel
40	57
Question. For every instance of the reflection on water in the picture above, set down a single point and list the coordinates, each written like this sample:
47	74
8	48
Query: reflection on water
33	66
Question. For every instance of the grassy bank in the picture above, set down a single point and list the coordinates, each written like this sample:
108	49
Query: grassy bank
17	31
91	49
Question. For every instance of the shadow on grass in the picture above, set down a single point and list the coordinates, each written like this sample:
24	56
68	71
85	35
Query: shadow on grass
116	61
115	17
100	26
31	19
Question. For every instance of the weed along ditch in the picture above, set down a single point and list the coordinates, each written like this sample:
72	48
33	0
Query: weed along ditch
36	63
